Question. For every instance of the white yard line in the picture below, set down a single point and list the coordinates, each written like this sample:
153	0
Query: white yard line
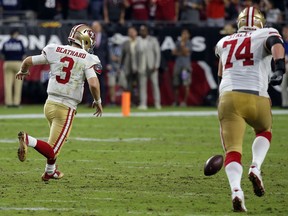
84	139
136	114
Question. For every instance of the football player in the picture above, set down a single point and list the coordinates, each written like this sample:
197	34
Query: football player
70	65
244	67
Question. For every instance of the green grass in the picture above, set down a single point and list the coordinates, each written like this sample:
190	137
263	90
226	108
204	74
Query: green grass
135	166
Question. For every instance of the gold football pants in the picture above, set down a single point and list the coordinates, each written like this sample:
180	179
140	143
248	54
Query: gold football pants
60	119
235	109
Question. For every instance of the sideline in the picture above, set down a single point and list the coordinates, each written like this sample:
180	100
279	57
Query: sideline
136	114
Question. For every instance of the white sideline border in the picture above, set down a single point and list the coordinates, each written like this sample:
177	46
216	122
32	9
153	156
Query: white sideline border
136	114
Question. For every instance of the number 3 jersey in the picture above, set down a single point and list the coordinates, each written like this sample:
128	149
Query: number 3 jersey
246	62
69	67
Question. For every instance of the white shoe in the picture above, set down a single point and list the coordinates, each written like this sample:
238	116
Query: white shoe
256	179
142	107
238	201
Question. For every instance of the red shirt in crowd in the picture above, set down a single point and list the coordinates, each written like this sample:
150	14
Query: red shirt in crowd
166	9
78	5
215	9
140	9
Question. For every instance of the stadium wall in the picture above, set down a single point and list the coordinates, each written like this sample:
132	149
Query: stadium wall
203	89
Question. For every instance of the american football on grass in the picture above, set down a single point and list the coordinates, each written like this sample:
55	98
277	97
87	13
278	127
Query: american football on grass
213	165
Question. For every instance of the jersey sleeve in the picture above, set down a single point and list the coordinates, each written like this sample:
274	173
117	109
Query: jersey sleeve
39	59
217	49
89	73
94	63
49	52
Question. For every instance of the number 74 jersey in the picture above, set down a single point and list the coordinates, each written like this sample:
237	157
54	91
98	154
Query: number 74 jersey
69	67
246	61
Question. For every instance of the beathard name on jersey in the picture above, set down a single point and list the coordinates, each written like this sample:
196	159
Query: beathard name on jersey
70	52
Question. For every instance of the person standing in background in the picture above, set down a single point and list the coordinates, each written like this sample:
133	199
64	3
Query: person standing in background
148	67
129	62
215	10
190	11
13	53
182	68
139	9
284	86
166	10
78	10
101	49
114	11
114	75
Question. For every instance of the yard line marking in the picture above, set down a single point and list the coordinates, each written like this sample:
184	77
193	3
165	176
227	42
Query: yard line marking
34	209
113	139
83	139
136	114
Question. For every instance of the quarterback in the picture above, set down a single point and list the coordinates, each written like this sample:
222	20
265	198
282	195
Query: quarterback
245	60
70	66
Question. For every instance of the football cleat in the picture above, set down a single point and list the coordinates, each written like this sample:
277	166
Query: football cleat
256	179
22	150
238	201
56	175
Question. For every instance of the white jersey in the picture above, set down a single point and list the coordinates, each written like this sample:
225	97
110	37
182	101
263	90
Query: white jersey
246	61
69	66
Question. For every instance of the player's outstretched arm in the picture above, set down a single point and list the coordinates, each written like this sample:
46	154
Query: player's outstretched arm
94	87
26	64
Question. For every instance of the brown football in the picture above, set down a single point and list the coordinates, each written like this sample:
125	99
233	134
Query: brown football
213	165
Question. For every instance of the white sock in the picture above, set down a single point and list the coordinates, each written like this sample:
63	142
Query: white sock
234	172
260	148
31	141
50	168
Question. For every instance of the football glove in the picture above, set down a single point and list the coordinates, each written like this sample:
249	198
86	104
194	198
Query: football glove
276	78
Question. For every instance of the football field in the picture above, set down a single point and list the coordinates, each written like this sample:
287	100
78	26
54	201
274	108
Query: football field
150	163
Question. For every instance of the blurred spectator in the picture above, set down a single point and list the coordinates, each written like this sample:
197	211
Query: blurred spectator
148	67
228	29
190	11
114	11
10	9
78	10
130	63
284	85
101	50
139	9
47	10
182	68
251	3
215	11
13	52
273	15
96	9
114	75
167	10
232	9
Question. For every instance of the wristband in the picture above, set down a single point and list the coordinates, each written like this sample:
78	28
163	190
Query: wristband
99	101
280	65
